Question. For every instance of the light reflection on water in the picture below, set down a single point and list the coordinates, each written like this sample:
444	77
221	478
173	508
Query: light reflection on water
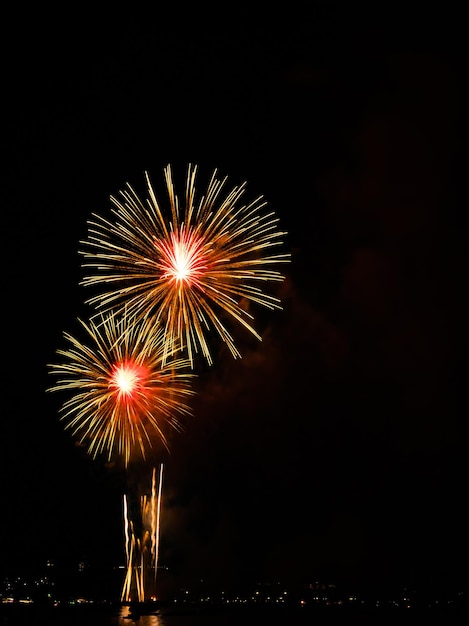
125	618
16	615
181	618
172	616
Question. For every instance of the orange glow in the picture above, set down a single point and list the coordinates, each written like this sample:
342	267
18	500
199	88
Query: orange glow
127	378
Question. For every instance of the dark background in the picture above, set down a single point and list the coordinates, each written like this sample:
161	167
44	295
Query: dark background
336	448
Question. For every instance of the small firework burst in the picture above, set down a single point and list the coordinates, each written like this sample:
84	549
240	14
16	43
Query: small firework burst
123	394
194	266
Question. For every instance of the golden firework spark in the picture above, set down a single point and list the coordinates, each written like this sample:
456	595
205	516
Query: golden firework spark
201	261
122	392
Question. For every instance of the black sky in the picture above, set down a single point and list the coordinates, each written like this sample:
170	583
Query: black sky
336	448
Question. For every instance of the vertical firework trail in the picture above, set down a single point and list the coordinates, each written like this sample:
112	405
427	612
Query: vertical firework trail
156	541
142	545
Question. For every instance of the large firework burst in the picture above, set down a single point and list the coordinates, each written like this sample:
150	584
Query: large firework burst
123	393
193	266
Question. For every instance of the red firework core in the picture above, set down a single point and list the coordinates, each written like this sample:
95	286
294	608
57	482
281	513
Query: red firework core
183	258
127	379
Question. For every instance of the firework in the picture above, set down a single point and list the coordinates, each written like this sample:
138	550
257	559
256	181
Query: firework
123	394
193	266
142	545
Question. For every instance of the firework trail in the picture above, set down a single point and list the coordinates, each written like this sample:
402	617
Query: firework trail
124	392
156	513
194	265
142	549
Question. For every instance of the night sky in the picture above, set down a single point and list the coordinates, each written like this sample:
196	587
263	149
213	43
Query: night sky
335	449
